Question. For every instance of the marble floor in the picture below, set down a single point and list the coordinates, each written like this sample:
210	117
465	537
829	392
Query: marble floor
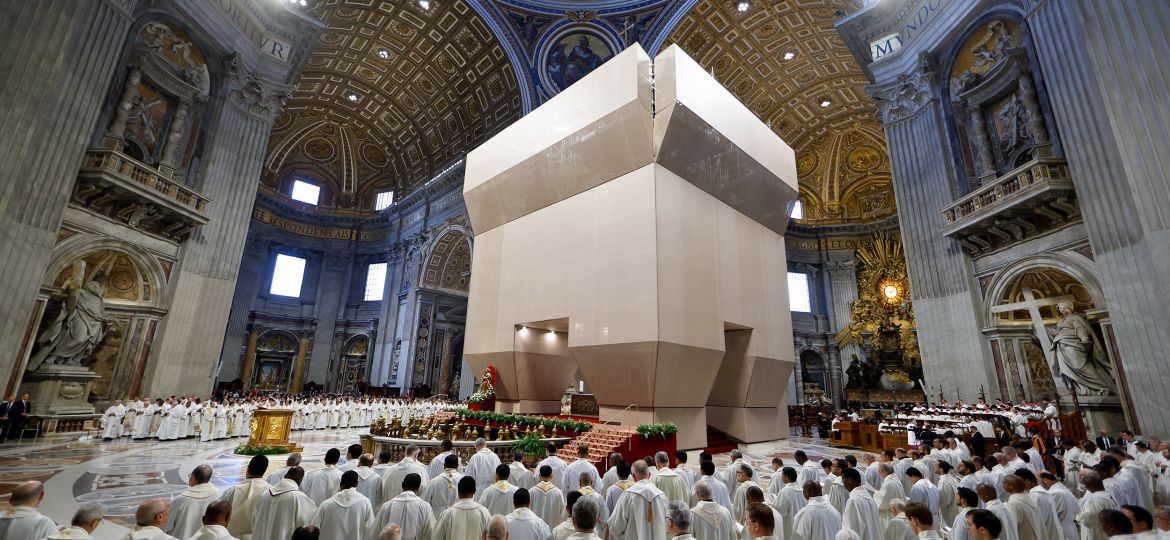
121	474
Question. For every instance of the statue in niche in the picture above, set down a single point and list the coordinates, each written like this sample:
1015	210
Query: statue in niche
1078	356
1012	121
76	332
856	373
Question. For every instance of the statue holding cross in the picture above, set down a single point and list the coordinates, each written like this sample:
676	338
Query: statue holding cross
1072	349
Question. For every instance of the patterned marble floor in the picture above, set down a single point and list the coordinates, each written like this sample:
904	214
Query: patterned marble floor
121	474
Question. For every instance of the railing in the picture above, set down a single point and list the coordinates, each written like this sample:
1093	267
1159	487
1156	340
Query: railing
130	170
623	411
1035	176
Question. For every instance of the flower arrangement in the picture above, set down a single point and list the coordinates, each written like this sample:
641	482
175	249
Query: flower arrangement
657	430
535	421
482	395
245	450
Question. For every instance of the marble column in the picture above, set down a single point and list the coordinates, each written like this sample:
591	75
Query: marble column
253	269
298	381
249	360
942	285
1106	72
445	367
57	58
842	294
193	334
331	291
387	319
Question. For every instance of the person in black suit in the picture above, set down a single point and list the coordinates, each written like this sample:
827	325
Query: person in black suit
18	411
4	408
1105	442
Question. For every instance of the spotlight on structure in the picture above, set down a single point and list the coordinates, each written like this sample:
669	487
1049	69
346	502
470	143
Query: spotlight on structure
790	55
382	53
826	102
743	5
425	4
352	97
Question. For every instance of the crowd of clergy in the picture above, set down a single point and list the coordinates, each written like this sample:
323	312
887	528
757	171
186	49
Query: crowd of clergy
179	417
928	492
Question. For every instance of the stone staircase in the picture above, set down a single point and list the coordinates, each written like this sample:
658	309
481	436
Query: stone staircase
602	440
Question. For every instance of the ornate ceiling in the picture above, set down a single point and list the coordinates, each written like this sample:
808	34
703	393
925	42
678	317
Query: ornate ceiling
391	94
394	92
841	153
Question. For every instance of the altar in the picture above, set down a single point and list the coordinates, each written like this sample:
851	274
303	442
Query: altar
270	428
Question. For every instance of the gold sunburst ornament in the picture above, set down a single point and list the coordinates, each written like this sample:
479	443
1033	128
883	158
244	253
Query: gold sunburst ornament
883	294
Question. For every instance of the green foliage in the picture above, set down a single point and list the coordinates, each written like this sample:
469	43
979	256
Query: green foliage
531	445
245	450
493	417
663	430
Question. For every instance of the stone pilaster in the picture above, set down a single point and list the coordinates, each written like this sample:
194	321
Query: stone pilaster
252	271
1106	72
387	319
58	57
842	294
192	339
941	280
331	292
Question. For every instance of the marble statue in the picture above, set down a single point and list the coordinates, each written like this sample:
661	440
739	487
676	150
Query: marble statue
1078	357
856	374
76	332
567	401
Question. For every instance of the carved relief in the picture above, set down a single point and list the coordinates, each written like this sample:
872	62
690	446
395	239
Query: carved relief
908	96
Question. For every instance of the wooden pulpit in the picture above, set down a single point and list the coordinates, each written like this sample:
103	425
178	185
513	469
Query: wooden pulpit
270	427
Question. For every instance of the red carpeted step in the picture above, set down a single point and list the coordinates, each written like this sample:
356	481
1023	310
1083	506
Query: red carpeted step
718	442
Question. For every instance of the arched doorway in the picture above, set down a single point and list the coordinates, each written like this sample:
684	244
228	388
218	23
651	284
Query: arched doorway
275	351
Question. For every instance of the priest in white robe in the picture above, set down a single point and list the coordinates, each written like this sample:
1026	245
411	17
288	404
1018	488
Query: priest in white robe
898	527
293	460
23	520
640	511
719	493
282	508
408	510
347	515
1027	514
442	491
465	519
523	523
761	523
85	520
948	486
610	477
320	484
186	515
668	480
369	483
861	512
1095	500
808	470
548	501
818	520
244	495
149	519
774	481
497	497
520	475
728	475
438	463
580	526
215	521
891	488
1049	520
991	503
923	492
710	521
743	477
588	493
574	470
112	421
789	500
482	466
834	488
1064	502
557	464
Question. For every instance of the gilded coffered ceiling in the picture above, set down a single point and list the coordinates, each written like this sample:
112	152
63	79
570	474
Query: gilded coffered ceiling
391	94
789	65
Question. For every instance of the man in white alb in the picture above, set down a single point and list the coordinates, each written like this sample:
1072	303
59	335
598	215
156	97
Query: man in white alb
187	508
466	519
408	510
639	512
523	524
482	466
282	508
347	515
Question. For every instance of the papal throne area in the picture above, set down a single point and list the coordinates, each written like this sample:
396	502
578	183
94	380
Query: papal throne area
587	269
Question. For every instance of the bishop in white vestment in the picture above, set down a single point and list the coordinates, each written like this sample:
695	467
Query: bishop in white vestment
710	520
187	508
640	513
497	498
548	501
348	515
442	491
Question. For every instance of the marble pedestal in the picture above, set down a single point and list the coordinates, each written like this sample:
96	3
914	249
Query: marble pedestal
60	390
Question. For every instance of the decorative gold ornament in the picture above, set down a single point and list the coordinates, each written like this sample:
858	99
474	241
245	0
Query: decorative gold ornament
883	294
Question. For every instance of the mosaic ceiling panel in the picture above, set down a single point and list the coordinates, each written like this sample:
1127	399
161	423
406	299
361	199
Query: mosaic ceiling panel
391	94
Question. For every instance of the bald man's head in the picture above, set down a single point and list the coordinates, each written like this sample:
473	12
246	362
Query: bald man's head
27	494
391	532
1013	484
218	513
497	528
152	513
